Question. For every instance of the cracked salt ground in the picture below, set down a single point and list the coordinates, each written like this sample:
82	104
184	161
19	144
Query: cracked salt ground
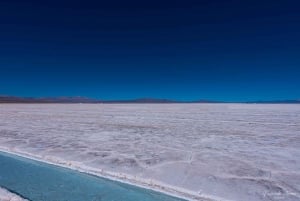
219	151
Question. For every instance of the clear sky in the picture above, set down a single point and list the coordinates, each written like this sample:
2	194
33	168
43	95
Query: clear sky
186	50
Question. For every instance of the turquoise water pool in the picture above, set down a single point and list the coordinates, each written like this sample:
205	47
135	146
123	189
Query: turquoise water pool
39	181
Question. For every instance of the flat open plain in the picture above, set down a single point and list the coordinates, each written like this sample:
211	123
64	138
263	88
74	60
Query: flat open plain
216	151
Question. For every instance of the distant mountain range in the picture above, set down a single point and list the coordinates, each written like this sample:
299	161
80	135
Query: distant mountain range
78	99
156	100
15	99
276	101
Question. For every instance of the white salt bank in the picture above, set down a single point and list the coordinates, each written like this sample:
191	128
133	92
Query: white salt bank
201	151
8	196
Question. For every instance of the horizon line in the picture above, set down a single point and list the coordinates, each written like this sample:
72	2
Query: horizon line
140	99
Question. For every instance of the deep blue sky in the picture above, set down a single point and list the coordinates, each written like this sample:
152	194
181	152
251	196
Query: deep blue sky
186	50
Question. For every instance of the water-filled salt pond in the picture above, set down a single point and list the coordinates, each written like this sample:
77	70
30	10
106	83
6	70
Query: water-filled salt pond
37	181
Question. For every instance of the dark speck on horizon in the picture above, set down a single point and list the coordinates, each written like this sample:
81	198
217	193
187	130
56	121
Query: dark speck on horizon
182	50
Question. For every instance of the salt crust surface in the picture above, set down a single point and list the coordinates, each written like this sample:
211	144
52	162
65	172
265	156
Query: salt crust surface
201	151
8	196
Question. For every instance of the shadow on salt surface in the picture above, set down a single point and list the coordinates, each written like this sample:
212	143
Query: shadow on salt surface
39	181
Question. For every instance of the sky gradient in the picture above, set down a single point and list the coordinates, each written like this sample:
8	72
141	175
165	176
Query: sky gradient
184	50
